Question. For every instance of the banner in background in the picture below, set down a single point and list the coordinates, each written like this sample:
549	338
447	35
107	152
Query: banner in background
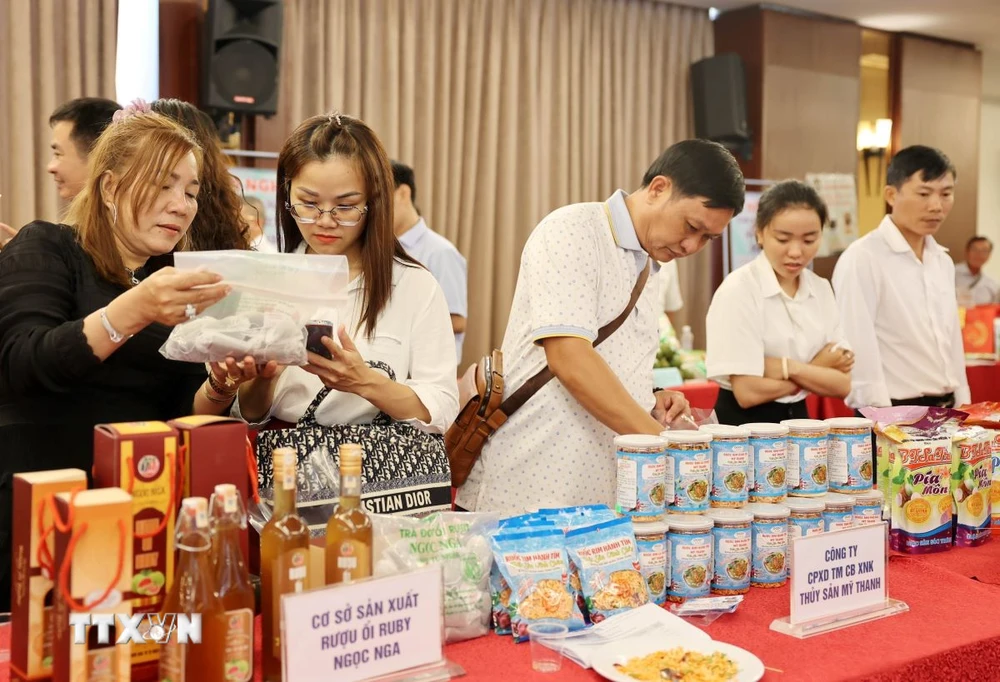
839	192
261	183
742	240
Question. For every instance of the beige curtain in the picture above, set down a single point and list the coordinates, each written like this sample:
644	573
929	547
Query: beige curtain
50	51
506	109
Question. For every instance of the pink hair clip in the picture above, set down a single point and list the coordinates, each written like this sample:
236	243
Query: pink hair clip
133	108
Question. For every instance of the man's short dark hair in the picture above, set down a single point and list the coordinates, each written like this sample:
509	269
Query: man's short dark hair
89	116
976	240
931	163
403	175
700	168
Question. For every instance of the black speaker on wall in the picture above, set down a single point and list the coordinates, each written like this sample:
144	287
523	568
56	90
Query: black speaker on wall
719	91
240	67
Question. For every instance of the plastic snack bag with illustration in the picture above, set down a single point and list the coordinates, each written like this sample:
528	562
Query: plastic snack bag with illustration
608	563
533	563
499	589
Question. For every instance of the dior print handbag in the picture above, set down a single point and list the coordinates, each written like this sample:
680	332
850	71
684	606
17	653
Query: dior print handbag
404	471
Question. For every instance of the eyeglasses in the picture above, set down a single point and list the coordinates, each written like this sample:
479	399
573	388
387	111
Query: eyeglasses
346	216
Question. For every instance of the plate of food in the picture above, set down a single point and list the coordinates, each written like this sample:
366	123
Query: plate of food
692	660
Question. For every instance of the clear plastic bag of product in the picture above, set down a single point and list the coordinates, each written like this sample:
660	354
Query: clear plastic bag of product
274	297
459	541
698	418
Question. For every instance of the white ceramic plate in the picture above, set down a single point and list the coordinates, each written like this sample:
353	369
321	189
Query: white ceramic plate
751	669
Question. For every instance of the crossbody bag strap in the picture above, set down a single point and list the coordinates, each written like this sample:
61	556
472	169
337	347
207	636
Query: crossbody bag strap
532	385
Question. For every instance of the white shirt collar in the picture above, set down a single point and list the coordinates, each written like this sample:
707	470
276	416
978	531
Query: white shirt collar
412	236
769	285
897	242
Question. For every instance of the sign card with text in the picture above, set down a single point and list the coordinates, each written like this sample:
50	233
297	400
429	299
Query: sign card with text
838	574
362	630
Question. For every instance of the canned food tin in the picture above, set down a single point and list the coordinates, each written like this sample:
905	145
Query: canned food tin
770	544
689	546
690	453
868	508
808	472
805	520
838	513
730	464
850	454
768	445
642	477
654	561
733	549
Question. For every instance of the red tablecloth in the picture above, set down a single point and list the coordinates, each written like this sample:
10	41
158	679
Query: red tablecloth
826	408
984	382
952	632
701	394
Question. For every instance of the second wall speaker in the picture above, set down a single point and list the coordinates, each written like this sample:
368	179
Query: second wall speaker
719	91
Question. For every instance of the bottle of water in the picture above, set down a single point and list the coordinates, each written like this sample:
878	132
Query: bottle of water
687	338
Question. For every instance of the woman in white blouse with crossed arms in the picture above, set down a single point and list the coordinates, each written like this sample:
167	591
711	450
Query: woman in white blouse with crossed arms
335	190
774	332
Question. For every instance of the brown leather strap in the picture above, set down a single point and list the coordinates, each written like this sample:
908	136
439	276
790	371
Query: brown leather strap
535	383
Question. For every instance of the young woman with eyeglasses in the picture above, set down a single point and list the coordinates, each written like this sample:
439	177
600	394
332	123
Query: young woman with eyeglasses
773	327
335	192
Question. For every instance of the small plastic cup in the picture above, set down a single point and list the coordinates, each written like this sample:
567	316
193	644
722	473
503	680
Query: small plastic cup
545	638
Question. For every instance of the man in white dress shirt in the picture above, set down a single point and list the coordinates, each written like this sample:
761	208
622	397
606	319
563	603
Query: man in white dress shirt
896	291
578	270
431	250
974	286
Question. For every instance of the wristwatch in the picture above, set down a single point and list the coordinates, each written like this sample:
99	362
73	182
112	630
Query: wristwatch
116	336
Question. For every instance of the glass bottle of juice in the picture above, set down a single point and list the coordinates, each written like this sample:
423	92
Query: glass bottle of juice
349	530
232	581
284	559
193	592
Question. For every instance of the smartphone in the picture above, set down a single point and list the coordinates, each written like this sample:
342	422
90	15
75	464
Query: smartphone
314	341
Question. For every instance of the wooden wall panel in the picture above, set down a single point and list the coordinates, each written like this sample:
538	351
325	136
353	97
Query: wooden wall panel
180	48
940	91
811	95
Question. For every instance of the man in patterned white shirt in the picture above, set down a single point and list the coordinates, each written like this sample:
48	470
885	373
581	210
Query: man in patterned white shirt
577	272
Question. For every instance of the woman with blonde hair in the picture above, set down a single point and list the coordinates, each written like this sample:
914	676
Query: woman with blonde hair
84	309
219	224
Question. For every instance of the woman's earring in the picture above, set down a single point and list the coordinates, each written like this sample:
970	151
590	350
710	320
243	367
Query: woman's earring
114	213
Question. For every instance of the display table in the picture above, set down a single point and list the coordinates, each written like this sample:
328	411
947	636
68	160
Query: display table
952	632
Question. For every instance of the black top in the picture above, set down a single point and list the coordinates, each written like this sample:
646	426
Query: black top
48	373
53	389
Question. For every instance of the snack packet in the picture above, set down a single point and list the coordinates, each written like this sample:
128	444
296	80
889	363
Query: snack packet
970	485
459	541
533	562
608	563
987	415
499	589
918	457
569	518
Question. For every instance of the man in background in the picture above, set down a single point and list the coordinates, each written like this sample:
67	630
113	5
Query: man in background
974	287
896	291
431	250
76	125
